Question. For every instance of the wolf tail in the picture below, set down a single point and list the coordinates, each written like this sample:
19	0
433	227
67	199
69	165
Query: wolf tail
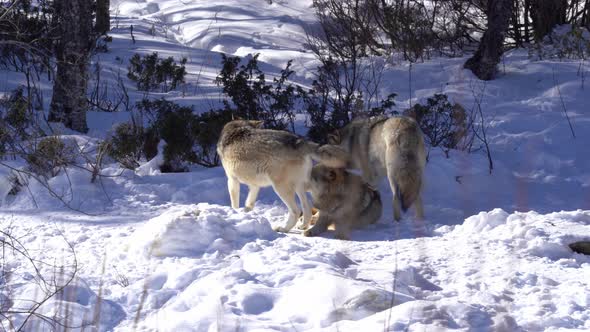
329	155
408	181
406	158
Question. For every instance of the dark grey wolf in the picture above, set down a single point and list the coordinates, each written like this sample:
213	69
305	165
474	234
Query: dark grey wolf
343	199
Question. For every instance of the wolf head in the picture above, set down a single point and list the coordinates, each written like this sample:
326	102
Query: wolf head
322	177
239	122
344	136
334	137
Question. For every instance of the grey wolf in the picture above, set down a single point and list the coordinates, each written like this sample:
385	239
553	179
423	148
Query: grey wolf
393	147
261	157
343	199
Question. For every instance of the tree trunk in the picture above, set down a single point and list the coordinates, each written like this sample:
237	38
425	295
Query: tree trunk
527	36
586	15
74	31
103	18
515	18
546	14
483	62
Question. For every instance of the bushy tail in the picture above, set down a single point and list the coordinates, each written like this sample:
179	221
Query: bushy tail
408	180
329	155
406	163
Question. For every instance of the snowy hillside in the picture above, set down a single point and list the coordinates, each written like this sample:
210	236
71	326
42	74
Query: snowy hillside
165	252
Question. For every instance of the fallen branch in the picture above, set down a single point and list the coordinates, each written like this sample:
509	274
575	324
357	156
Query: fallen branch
562	102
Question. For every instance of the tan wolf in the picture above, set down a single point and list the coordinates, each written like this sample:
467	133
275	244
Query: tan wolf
343	199
380	146
263	157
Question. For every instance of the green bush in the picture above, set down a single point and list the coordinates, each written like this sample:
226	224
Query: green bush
175	125
50	155
5	139
190	138
15	112
151	72
252	97
207	130
444	124
327	113
126	145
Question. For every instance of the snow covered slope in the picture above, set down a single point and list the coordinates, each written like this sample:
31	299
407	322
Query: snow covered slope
164	252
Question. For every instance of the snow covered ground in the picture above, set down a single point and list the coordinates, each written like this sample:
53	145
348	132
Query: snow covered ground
165	252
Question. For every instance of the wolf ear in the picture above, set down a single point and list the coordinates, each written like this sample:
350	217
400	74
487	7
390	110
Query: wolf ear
335	174
332	175
256	123
334	137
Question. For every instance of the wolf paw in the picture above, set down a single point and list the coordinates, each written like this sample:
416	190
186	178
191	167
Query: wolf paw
308	233
342	237
248	208
302	226
281	229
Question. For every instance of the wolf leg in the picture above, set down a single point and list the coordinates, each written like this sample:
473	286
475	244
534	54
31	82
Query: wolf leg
419	207
251	199
372	179
233	186
397	207
320	226
343	230
287	195
363	161
373	212
391	169
306	207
